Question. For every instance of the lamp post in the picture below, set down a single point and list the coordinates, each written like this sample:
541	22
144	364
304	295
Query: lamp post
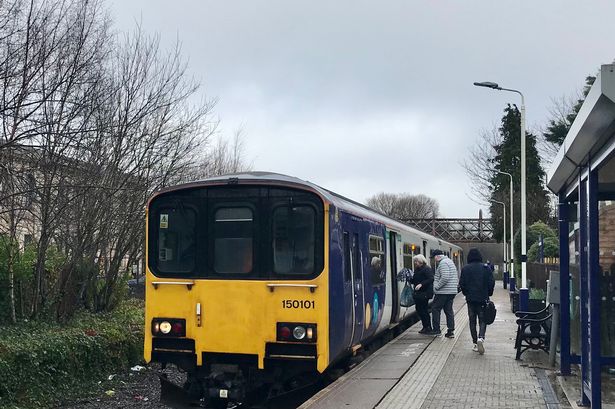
504	236
511	254
523	292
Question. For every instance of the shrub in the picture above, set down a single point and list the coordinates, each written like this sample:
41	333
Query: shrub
551	249
537	294
41	363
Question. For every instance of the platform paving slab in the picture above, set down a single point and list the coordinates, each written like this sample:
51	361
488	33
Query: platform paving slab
419	372
467	379
370	381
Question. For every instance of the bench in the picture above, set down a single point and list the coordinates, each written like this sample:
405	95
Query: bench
533	330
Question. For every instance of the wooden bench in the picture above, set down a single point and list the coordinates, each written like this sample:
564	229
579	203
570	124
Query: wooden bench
533	330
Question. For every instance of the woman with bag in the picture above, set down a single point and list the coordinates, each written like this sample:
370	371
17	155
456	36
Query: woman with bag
423	290
477	284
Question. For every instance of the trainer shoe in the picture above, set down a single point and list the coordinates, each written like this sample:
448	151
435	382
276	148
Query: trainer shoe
425	331
434	332
475	348
480	346
449	334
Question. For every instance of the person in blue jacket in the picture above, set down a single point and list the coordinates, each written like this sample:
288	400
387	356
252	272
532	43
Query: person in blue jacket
477	284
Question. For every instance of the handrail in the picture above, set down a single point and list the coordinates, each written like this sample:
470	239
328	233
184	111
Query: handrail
272	286
188	284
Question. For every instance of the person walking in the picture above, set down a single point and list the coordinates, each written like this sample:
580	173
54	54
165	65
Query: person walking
477	284
445	286
423	290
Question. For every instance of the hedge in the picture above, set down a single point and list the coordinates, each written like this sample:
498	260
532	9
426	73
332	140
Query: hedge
42	363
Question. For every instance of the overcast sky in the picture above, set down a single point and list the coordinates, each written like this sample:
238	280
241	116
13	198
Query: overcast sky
362	97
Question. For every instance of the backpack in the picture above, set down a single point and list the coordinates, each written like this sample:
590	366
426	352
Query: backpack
489	312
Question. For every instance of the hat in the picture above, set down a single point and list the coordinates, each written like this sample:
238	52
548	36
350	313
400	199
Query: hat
437	253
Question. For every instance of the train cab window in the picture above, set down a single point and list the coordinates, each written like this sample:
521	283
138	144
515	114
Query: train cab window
293	231
376	257
233	240
176	240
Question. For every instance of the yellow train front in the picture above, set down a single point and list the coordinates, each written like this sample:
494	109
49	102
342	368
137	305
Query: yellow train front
257	283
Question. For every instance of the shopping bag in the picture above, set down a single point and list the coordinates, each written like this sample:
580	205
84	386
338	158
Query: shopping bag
407	296
490	312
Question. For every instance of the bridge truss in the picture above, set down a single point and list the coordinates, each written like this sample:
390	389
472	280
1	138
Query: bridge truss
456	230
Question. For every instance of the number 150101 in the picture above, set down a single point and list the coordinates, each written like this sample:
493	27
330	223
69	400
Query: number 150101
305	304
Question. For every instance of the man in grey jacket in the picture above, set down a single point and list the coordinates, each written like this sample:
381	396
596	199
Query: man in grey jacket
445	286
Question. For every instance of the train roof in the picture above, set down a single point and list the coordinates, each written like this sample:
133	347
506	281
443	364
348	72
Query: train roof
339	201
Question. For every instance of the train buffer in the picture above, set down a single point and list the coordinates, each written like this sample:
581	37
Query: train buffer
417	371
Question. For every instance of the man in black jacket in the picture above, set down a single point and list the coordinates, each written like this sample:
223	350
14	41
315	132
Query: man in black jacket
477	284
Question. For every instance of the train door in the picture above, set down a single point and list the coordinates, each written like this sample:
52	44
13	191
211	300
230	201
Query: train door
349	316
357	290
393	278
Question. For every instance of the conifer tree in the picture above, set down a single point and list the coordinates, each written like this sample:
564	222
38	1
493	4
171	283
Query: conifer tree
508	159
559	126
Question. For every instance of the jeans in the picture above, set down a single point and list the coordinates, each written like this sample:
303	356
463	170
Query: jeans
423	310
443	301
476	310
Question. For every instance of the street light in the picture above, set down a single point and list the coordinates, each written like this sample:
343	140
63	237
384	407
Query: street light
512	232
504	237
524	292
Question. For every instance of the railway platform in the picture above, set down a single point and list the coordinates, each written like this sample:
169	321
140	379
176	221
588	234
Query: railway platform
422	372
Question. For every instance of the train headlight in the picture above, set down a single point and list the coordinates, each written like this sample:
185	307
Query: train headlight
169	327
295	332
165	327
299	332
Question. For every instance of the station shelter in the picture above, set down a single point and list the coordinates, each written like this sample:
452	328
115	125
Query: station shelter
583	177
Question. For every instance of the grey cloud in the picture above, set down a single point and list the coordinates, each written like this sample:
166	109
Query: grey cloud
304	77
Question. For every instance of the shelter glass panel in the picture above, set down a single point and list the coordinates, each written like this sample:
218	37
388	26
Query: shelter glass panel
575	287
606	258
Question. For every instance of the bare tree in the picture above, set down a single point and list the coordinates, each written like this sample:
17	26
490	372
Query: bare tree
77	39
478	164
560	114
223	157
405	206
148	135
90	125
13	180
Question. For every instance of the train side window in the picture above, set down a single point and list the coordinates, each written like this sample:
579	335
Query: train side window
176	240
293	239
347	267
407	252
233	240
376	257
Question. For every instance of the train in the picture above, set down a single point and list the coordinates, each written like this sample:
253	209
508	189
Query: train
259	282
